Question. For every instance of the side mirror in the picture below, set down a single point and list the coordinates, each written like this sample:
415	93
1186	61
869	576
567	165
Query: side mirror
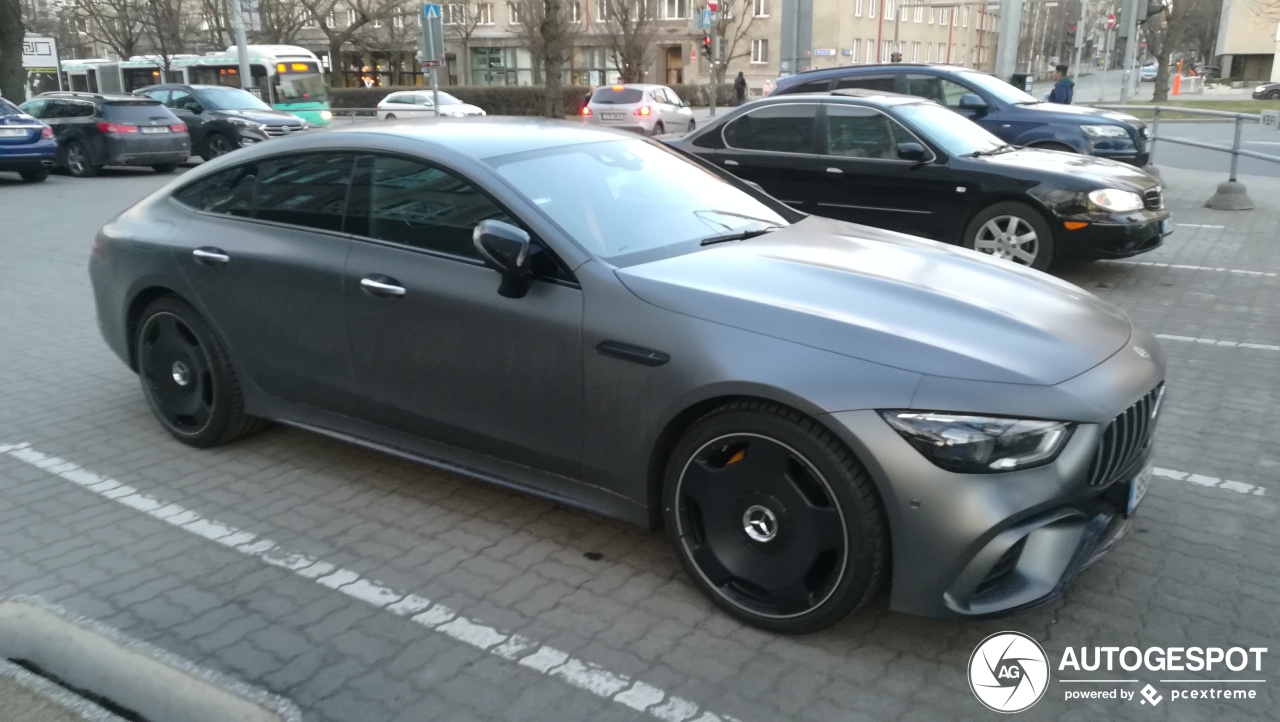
974	102
684	104
505	249
913	152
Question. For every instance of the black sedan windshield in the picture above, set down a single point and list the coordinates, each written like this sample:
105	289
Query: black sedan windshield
626	197
1000	89
956	134
230	99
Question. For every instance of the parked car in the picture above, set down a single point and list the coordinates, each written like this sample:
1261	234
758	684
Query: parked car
222	118
96	130
1267	91
419	103
27	146
645	109
603	321
1005	111
1148	72
906	164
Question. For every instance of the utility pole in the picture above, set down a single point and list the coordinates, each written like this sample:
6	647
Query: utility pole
1007	40
1081	33
242	45
713	6
1130	49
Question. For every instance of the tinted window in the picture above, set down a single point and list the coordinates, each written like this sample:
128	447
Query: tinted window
854	132
1000	89
620	96
230	192
307	190
869	82
423	206
181	99
781	128
955	133
228	99
36	108
813	86
939	90
7	108
136	113
76	109
160	95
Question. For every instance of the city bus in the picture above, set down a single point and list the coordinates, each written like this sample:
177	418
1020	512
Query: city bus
286	77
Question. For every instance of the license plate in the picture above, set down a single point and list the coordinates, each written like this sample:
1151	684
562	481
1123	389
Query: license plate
13	132
611	116
1138	488
1166	227
156	129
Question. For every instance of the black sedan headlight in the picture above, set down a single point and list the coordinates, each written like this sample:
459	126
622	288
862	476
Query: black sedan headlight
980	444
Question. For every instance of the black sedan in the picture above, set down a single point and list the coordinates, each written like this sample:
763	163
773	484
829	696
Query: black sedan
910	165
1267	91
222	119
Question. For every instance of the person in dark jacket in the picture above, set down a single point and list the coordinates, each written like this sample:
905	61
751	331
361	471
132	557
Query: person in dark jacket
740	89
1064	88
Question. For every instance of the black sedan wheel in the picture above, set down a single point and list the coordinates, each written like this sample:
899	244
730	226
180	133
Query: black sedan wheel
1273	95
774	518
76	159
39	175
215	145
187	378
1014	232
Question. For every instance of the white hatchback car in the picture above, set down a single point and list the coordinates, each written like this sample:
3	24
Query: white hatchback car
646	109
417	103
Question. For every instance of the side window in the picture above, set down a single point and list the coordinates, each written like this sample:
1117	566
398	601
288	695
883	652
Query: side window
856	132
660	96
181	99
813	86
939	90
81	110
780	128
308	190
867	82
229	192
673	98
420	205
36	108
160	95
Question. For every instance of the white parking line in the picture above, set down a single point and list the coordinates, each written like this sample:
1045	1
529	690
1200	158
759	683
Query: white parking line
1237	486
1186	267
552	662
1216	342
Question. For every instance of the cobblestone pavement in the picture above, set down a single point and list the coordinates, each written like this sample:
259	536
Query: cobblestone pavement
1202	569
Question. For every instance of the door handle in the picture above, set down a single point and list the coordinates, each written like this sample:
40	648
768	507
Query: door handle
386	287
835	171
210	256
731	162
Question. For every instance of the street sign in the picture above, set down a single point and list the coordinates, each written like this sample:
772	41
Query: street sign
1270	120
706	17
432	45
824	51
1111	21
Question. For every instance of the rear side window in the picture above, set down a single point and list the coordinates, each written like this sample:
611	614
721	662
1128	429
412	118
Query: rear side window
7	108
940	90
230	192
868	82
813	86
780	128
307	190
137	113
618	96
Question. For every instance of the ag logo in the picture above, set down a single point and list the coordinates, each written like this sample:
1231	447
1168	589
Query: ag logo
1008	672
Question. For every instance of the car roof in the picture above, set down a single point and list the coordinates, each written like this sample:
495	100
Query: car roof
840	69
630	86
105	97
486	137
852	96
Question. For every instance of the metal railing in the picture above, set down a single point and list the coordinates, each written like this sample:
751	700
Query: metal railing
1234	149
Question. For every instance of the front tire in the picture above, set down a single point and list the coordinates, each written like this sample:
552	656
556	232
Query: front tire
187	377
774	518
1273	95
39	175
1014	232
216	144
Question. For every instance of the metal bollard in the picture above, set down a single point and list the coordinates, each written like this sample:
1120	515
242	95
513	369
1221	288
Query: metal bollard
1155	127
1235	147
1232	195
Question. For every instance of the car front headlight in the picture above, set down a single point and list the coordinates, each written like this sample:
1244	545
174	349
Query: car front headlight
980	444
245	123
1105	131
1260	89
326	115
1110	199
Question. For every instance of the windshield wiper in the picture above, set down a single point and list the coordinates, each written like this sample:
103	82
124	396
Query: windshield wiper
998	149
741	235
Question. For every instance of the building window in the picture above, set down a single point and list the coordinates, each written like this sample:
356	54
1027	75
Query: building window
454	14
930	18
853	52
857	8
485	13
398	22
915	52
965	17
942	17
885	51
351	16
759	51
513	14
888	9
928	52
675	9
762	8
871	8
919	14
575	12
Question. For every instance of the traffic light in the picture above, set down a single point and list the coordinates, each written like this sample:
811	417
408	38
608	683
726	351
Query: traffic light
895	57
706	46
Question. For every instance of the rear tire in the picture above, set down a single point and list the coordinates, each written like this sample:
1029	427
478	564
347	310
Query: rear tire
187	378
164	167
659	129
35	176
76	159
1013	231
774	518
390	116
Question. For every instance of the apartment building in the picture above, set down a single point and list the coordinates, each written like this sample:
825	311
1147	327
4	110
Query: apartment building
1248	41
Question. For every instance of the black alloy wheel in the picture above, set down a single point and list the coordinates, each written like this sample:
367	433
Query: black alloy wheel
76	159
217	144
187	378
774	518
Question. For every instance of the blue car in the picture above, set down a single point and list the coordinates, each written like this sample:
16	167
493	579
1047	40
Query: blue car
27	146
1003	110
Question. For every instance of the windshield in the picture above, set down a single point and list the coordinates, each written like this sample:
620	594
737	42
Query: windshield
955	133
7	108
997	87
300	88
628	201
229	99
446	99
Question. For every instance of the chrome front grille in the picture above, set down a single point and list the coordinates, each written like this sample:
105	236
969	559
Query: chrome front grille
1125	440
275	131
1152	199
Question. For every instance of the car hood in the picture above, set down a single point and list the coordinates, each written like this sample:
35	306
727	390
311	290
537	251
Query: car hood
891	299
266	117
1077	169
1081	114
464	108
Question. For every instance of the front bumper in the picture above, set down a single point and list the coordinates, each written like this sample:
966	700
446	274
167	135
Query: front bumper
1119	236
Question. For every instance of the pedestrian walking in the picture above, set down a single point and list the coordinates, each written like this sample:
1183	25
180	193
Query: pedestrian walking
740	89
1064	88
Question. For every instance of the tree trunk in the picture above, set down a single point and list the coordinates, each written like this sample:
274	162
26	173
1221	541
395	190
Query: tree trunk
464	61
554	104
13	79
337	68
1160	48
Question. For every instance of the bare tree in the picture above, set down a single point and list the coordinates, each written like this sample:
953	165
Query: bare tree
630	32
396	37
341	21
167	25
13	79
547	29
215	29
281	21
461	22
114	23
732	25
